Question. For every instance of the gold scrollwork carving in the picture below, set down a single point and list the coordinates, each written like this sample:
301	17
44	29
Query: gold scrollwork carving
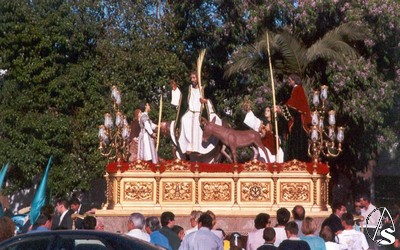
255	191
138	191
295	191
254	166
139	166
294	166
216	191
177	191
177	165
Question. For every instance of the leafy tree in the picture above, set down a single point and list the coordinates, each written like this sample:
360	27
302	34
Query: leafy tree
50	97
63	57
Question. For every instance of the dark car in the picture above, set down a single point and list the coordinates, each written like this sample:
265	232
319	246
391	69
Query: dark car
75	240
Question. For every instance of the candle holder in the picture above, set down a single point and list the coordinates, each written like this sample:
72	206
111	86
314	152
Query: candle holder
325	140
114	133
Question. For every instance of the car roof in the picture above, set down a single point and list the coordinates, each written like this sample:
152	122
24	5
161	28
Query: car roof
82	234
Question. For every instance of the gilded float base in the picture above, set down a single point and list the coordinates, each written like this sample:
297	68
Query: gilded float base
233	192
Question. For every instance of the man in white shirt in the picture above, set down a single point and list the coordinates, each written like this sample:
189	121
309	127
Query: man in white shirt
372	217
255	238
194	218
369	212
349	237
202	238
136	224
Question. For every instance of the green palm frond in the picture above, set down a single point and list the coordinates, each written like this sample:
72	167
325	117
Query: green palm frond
330	50
292	52
335	44
246	58
289	55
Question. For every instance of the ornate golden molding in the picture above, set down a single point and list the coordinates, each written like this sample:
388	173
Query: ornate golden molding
247	188
138	191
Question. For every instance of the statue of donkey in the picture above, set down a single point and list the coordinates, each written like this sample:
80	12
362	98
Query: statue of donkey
233	139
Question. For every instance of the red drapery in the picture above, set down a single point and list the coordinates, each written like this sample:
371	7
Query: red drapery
216	167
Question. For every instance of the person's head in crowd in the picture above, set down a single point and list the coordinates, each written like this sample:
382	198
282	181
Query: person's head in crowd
298	212
347	221
89	223
168	219
269	235
365	201
282	216
62	206
152	224
327	234
292	229
7	228
262	220
357	207
194	217
309	226
74	204
44	220
179	231
136	221
47	210
339	208
214	218
206	220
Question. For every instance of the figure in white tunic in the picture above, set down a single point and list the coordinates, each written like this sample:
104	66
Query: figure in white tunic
146	146
191	134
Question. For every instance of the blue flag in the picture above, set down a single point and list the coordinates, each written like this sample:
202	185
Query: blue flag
3	175
40	196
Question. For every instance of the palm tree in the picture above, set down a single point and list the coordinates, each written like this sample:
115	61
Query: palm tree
289	55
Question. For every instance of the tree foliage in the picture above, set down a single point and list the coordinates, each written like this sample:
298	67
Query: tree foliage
63	57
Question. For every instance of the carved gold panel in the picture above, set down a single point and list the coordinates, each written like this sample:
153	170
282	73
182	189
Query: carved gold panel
292	191
255	191
177	191
255	166
138	190
294	166
139	166
216	191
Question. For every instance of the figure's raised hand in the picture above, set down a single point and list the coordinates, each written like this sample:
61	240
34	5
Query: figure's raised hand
203	100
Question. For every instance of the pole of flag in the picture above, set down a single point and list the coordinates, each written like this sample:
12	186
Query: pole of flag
40	196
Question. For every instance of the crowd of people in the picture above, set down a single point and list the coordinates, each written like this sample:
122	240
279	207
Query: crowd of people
293	230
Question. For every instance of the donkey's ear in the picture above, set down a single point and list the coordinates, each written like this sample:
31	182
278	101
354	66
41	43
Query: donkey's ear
213	120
